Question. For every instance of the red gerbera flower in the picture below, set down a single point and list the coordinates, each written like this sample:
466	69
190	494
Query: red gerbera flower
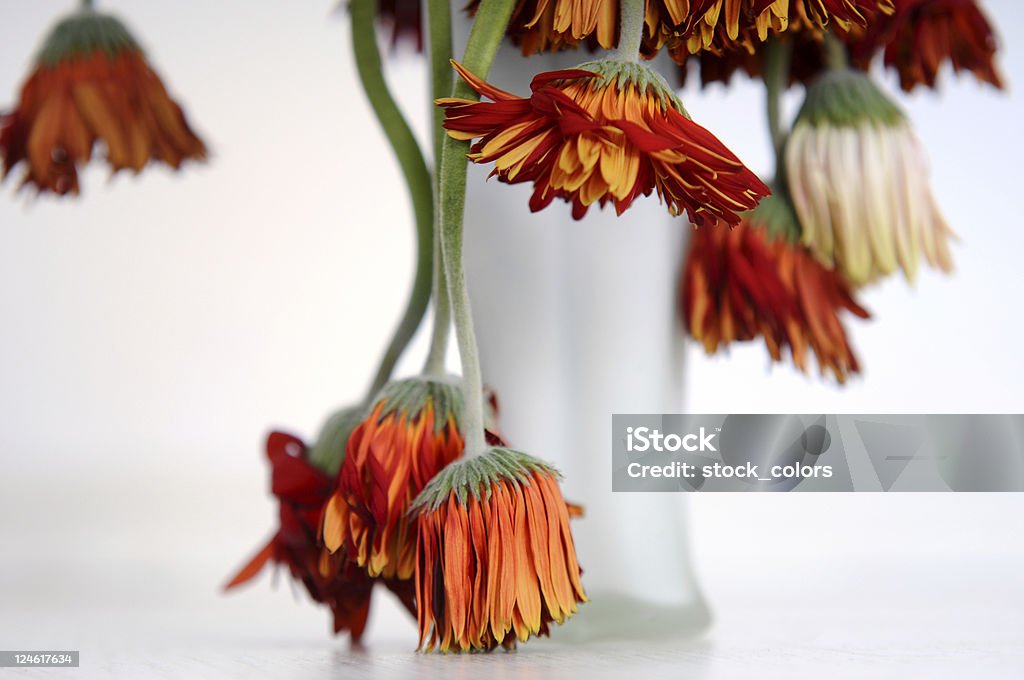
924	34
302	490
755	280
92	84
606	132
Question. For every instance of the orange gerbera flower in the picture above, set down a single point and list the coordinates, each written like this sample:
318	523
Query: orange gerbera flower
92	84
924	34
301	490
756	280
411	433
606	132
495	556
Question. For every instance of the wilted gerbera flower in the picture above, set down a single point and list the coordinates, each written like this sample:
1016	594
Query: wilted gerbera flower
551	25
757	280
92	84
859	183
301	490
721	26
806	62
923	34
410	434
495	557
606	132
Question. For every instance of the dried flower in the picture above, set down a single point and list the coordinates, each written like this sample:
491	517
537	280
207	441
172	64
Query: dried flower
725	26
755	280
606	132
92	84
859	183
552	25
410	434
495	556
923	34
301	490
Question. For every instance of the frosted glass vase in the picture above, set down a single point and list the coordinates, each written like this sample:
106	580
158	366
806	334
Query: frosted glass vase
576	321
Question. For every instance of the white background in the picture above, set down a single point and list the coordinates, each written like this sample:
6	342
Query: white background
156	327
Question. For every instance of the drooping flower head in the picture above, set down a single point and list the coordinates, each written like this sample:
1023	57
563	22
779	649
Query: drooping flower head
301	490
552	25
756	280
607	132
495	560
684	26
409	435
92	84
922	35
858	179
724	26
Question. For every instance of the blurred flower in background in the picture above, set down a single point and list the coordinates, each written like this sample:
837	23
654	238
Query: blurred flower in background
92	85
687	27
923	34
756	280
301	490
859	182
403	19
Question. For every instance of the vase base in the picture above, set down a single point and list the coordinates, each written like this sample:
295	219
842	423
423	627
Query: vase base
616	616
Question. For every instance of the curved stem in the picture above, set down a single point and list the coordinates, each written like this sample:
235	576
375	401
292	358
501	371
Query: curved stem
484	38
417	179
439	22
631	29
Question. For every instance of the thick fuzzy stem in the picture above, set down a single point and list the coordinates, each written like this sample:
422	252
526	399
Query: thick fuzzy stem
484	38
417	179
439	20
631	29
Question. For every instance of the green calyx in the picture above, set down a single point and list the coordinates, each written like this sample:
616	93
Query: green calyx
328	452
411	395
848	98
83	33
776	216
477	475
642	77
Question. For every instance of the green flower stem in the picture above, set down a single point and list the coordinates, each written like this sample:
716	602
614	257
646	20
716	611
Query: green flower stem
777	57
484	38
417	179
835	53
631	29
439	21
